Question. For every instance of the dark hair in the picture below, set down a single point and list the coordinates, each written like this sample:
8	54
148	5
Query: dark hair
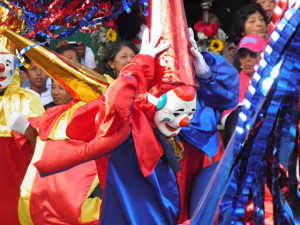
239	20
110	53
129	24
64	48
27	60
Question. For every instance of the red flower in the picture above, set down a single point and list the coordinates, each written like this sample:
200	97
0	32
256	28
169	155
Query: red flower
111	24
210	30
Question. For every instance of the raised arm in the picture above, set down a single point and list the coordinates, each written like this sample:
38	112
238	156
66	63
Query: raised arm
115	111
218	79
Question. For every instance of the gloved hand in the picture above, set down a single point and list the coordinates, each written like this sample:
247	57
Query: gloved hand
18	122
148	48
201	68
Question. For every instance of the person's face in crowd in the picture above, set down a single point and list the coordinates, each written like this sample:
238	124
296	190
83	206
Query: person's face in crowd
123	58
59	94
248	60
267	5
173	112
71	54
7	69
255	24
37	77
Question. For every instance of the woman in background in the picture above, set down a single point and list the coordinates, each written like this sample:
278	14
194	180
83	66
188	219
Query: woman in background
115	57
250	19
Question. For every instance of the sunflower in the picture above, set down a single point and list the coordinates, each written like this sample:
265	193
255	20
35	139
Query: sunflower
216	45
111	35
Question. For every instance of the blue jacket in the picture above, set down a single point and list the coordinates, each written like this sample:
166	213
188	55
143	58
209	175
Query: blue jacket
215	94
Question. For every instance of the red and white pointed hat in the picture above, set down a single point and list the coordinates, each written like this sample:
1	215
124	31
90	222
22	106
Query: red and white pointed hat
173	66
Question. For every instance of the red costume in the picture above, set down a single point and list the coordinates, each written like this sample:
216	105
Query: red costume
16	150
66	197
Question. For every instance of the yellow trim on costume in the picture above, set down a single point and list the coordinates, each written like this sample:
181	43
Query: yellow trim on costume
26	186
59	129
90	209
16	99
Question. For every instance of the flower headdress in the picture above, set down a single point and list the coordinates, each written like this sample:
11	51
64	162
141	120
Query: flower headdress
104	37
211	38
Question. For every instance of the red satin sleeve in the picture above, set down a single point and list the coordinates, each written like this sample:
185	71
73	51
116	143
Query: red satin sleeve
114	118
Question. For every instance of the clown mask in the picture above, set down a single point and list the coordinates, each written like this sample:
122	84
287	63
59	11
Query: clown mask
175	109
7	69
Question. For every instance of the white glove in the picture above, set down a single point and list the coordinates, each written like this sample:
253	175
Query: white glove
148	48
18	122
201	68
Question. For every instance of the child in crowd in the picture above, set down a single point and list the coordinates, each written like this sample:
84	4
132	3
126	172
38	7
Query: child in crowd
38	82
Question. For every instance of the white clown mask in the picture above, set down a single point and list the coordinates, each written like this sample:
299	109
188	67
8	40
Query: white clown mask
175	109
7	69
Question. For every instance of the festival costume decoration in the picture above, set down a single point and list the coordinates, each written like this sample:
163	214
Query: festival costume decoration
175	110
259	164
18	122
80	81
45	17
16	151
136	162
68	197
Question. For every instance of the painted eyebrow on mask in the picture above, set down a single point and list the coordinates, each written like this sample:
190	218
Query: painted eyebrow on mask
182	110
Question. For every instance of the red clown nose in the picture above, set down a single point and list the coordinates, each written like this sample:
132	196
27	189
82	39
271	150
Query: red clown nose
2	68
185	122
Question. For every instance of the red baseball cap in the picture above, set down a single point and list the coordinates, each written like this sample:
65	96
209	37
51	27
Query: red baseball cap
252	42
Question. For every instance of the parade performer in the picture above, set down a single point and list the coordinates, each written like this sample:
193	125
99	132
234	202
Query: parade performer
16	150
69	197
138	152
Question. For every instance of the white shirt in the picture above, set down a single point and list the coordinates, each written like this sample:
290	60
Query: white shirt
45	97
89	58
